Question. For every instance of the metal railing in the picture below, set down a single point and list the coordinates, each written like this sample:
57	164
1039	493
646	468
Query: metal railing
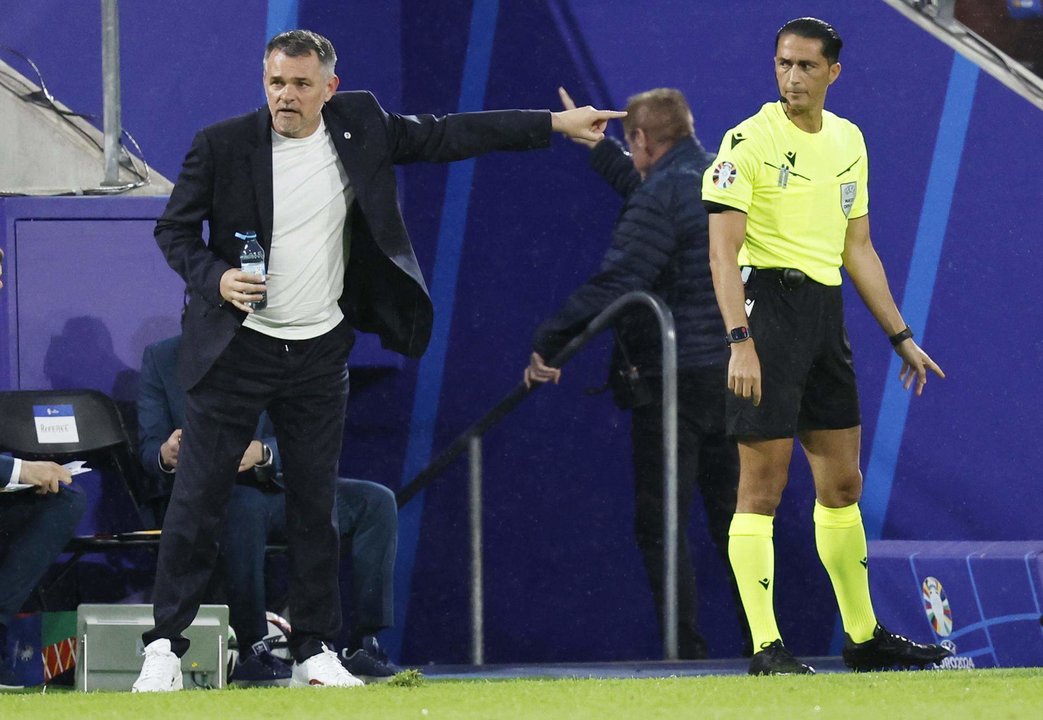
470	441
113	108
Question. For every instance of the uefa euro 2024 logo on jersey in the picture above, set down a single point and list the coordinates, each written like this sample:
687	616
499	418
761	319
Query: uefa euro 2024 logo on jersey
724	175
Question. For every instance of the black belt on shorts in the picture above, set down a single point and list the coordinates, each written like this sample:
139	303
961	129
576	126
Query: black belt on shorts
789	278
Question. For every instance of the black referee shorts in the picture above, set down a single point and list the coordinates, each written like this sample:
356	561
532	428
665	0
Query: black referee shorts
807	374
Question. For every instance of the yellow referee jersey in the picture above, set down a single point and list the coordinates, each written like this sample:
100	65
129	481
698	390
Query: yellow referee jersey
798	189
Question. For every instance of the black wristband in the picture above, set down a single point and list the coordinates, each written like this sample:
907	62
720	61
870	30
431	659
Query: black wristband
900	337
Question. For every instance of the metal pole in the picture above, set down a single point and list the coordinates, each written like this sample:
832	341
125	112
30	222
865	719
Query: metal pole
669	338
477	600
110	70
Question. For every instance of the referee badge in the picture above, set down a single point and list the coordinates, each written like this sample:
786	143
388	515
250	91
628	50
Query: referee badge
724	175
847	197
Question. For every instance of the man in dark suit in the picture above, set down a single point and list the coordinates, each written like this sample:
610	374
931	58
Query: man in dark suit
367	519
312	174
35	526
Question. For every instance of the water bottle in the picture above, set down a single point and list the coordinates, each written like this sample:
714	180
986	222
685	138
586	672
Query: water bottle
251	260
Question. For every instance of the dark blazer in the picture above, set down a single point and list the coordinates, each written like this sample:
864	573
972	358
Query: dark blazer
226	181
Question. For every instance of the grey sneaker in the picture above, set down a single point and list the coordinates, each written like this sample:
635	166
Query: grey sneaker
161	671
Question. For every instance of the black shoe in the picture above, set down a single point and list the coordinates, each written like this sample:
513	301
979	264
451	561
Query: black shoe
369	663
775	659
885	650
260	667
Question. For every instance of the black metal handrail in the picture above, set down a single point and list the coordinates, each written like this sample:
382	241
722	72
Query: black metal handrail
469	440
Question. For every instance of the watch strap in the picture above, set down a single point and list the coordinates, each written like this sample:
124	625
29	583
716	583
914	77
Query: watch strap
900	337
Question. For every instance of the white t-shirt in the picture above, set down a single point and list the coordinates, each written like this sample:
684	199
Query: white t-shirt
306	265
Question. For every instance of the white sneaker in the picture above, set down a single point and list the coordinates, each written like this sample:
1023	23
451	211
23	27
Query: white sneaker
322	670
161	671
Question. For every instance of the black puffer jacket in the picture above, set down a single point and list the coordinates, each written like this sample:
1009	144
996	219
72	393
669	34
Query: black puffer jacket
660	243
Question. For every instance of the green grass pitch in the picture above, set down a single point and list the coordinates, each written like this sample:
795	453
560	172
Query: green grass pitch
988	694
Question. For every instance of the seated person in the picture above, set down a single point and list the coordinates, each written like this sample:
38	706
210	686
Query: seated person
35	526
366	515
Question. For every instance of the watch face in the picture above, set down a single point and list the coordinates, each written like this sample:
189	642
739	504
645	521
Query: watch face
739	334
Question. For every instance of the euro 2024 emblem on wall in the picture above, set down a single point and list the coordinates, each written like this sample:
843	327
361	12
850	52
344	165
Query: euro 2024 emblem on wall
724	175
936	605
847	197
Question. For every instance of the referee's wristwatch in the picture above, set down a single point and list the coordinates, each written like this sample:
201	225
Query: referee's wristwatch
738	335
901	336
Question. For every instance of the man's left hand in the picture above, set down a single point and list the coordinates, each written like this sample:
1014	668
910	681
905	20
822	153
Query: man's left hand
253	456
915	364
584	123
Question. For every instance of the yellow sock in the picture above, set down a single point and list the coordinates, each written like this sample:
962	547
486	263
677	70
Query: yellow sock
752	555
841	541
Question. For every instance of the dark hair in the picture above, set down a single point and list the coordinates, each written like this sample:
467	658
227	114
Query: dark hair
295	43
662	113
814	29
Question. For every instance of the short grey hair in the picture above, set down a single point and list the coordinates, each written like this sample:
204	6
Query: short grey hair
297	43
662	113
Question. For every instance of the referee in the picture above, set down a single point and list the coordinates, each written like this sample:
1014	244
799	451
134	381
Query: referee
789	205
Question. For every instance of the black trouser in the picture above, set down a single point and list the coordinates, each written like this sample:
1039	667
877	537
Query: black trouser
34	529
304	386
368	522
705	457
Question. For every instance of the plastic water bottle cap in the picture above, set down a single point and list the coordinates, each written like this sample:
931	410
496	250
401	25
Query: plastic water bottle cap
247	235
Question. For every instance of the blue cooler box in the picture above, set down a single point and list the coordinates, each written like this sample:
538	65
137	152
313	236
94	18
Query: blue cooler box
979	599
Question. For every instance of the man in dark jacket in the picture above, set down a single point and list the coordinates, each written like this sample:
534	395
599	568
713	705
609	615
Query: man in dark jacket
312	175
660	244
